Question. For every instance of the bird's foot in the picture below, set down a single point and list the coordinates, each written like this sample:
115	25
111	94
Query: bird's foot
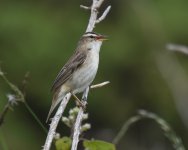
80	103
84	99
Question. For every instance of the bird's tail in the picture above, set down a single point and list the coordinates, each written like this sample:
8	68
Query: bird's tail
55	102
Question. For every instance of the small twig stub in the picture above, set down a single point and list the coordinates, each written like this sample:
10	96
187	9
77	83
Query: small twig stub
99	85
85	7
179	48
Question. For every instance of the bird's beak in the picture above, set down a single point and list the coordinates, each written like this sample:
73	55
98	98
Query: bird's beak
102	38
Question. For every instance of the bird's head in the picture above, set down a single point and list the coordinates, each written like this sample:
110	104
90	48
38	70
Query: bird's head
92	40
92	36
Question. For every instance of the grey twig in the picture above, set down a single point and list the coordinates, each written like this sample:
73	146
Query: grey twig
179	48
85	7
78	122
55	121
103	16
99	85
77	128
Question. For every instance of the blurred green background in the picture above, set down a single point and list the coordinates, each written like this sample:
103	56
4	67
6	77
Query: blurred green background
39	36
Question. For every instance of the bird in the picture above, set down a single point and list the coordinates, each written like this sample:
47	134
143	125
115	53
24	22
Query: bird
80	70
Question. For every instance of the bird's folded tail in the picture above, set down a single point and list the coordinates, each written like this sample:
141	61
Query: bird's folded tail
55	102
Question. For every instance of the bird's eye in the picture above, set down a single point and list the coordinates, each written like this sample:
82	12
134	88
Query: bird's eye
91	36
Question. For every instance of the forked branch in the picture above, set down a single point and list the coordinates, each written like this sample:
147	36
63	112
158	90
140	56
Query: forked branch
94	14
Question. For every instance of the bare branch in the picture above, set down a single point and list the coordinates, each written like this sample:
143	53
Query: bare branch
77	128
178	48
105	13
77	125
99	85
55	122
85	7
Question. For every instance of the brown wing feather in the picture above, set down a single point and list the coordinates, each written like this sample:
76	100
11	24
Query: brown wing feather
66	72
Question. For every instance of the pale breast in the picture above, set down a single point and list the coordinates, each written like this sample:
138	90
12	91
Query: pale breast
83	77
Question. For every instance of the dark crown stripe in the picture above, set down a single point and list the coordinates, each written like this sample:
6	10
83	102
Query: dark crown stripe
94	33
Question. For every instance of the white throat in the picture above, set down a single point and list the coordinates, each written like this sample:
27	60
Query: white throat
95	46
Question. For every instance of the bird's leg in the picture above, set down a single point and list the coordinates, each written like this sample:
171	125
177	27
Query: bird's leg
84	98
78	101
85	94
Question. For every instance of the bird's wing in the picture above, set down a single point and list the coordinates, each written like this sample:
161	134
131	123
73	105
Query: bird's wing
66	72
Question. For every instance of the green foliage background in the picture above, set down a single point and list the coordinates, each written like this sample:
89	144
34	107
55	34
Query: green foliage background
39	37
